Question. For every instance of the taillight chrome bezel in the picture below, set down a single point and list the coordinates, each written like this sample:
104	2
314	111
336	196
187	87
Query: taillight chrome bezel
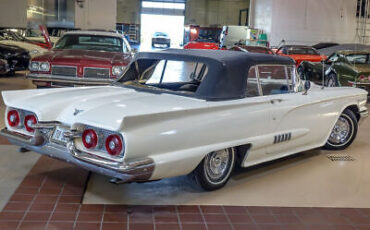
28	126
93	140
117	142
100	149
21	127
11	115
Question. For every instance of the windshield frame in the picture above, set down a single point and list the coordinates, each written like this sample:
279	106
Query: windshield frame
367	62
290	51
121	48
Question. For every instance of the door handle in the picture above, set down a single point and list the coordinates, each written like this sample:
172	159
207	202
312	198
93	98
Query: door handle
273	101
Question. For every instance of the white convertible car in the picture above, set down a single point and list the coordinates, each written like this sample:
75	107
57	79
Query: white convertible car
185	111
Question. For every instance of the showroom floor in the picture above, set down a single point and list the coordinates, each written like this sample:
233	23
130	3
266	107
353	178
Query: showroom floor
313	190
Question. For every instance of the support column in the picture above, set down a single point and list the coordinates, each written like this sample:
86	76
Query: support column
96	14
13	13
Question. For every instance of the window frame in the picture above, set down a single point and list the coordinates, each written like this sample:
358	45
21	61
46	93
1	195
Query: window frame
291	89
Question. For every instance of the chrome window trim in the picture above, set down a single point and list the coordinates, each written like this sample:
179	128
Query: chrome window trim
286	76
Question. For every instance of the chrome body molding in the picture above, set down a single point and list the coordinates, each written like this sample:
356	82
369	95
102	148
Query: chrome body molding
135	170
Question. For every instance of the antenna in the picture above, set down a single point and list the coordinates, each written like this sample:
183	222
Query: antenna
323	75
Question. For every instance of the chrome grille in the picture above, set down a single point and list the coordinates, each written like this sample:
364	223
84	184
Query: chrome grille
64	71
96	73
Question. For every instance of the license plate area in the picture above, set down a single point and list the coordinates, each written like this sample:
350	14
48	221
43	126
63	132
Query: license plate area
58	135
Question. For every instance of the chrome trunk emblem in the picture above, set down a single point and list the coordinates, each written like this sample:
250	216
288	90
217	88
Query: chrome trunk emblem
77	111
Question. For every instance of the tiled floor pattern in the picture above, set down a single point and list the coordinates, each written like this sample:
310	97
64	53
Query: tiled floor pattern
50	197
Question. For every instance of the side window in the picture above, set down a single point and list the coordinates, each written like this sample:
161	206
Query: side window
252	84
274	79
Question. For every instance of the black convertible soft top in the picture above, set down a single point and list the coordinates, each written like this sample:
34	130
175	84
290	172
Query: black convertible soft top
227	70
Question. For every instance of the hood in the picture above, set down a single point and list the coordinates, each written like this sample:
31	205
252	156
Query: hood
34	50
361	68
104	106
304	57
88	57
201	45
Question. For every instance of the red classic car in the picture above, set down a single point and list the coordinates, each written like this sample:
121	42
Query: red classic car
82	58
202	45
196	37
301	53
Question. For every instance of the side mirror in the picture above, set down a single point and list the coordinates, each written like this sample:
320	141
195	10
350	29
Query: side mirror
307	86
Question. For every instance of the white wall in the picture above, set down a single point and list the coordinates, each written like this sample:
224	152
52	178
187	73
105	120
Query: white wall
96	14
306	21
128	11
13	13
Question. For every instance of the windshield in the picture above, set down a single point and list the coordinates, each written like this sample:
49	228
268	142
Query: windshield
160	34
90	42
260	50
302	50
209	35
358	58
168	75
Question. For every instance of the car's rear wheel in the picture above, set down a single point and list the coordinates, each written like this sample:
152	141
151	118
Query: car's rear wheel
331	80
215	169
344	131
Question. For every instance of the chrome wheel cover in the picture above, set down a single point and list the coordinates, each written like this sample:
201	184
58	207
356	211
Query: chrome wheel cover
217	165
342	131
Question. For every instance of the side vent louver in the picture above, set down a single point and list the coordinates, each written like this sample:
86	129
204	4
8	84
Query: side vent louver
282	138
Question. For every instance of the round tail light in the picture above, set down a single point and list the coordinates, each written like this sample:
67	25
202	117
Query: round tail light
362	77
29	121
89	138
13	118
113	144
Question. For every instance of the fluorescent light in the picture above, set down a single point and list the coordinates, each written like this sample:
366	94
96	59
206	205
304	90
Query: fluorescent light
163	5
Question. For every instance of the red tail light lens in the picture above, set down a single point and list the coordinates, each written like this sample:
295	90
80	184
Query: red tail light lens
29	121
89	138
13	118
113	144
362	77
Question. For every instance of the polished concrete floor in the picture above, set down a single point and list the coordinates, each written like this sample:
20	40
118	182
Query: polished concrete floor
13	165
309	179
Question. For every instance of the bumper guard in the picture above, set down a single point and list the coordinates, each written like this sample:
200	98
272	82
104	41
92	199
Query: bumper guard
135	170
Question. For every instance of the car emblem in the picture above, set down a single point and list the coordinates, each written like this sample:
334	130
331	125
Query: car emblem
77	111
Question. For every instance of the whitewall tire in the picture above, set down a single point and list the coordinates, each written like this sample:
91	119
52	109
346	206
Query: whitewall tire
344	131
215	169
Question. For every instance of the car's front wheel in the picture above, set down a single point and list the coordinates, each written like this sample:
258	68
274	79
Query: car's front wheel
215	169
344	131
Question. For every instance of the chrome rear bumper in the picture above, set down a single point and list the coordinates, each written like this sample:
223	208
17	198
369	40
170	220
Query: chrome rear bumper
136	170
363	114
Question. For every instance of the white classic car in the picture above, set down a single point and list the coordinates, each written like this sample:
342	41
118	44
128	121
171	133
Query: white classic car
185	111
13	39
